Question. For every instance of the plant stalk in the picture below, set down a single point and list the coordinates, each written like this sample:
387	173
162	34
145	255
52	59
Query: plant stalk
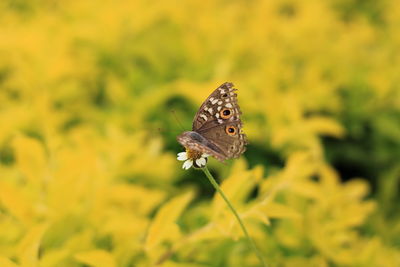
251	241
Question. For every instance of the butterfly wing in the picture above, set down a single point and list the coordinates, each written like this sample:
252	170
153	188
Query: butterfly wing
232	145
205	116
195	141
218	121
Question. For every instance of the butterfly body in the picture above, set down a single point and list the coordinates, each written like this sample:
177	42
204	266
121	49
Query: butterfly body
217	128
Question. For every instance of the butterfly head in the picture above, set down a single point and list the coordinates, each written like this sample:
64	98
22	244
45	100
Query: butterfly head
196	154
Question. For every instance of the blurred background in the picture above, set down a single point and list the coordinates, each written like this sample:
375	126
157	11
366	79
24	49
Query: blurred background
88	169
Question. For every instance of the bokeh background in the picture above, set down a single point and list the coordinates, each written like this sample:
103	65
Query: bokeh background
88	169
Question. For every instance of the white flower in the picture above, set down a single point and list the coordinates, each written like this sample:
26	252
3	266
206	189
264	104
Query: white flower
188	157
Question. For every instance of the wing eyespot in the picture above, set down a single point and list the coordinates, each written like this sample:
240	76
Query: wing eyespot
226	113
231	130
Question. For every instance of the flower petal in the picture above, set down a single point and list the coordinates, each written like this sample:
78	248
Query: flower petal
182	156
187	164
201	162
205	155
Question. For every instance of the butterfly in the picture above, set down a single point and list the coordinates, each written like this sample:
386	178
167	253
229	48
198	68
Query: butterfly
217	128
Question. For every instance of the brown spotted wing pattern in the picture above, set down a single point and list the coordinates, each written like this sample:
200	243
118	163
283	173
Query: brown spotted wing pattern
217	128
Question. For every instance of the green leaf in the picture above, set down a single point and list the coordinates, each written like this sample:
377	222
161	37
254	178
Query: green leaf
28	252
96	258
31	158
163	226
5	262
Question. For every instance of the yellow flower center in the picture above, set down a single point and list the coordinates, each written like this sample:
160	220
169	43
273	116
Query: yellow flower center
193	154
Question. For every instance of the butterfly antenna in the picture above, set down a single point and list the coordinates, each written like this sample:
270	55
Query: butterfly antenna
177	120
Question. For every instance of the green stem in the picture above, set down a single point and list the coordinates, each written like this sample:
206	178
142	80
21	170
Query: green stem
216	186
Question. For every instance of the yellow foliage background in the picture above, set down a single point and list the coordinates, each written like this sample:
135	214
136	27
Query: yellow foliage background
88	179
